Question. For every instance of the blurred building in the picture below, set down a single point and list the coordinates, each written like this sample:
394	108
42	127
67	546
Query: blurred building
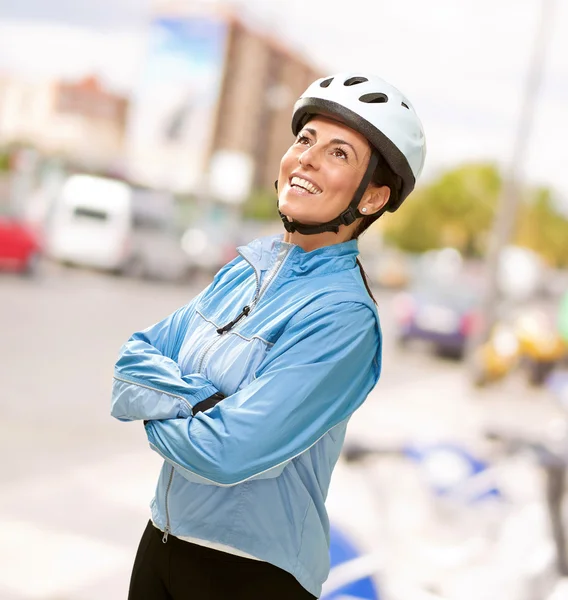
213	106
80	121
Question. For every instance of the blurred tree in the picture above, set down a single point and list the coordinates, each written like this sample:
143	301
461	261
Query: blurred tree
4	161
455	210
543	228
261	206
414	229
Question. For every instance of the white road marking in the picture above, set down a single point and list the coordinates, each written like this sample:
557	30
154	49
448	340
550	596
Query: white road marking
38	563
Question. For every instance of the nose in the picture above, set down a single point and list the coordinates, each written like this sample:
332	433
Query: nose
309	157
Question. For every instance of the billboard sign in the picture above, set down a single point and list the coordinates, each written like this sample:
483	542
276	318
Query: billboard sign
174	103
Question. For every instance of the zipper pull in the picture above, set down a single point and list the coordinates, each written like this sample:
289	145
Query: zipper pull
231	324
165	536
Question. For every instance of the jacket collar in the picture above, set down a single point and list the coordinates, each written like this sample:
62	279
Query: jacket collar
262	253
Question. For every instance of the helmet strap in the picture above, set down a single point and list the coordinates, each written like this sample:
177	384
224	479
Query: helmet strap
348	216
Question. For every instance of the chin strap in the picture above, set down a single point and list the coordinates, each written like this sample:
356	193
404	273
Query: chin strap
347	217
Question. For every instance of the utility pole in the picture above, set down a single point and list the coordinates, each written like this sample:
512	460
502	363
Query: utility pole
508	207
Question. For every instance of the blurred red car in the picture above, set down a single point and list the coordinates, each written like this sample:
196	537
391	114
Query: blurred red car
19	246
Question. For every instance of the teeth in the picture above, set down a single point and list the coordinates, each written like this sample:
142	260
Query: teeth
310	187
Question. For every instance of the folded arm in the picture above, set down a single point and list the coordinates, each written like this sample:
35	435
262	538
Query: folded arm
148	383
319	371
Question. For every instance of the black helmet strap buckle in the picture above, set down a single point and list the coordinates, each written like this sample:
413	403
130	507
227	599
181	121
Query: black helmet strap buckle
347	217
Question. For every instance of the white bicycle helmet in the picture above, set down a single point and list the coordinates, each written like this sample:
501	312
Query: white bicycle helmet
386	118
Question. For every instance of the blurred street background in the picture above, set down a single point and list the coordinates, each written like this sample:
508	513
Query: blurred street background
139	144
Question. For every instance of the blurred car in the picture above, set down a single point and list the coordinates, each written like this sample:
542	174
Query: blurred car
496	357
20	247
392	270
442	314
528	341
206	250
212	240
541	346
108	224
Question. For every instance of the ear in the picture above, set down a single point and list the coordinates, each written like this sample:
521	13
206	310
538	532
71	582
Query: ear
374	199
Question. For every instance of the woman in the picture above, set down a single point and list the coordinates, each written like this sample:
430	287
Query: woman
246	391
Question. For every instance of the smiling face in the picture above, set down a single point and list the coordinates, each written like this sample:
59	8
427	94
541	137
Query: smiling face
321	171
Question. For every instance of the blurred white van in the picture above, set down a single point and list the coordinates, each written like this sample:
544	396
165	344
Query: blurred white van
108	224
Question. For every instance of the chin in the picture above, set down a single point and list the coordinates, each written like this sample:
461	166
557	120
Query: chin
298	215
298	211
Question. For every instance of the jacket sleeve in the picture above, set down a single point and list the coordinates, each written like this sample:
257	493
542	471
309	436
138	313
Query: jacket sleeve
316	375
148	383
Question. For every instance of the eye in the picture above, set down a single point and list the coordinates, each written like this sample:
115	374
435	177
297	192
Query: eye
302	139
340	153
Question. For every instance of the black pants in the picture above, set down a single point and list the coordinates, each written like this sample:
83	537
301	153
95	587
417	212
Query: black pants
179	570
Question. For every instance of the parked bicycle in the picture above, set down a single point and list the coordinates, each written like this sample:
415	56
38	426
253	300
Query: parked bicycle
487	528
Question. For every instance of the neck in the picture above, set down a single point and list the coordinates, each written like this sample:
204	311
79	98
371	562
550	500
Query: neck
319	240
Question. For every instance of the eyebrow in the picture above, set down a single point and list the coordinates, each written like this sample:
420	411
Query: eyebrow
334	140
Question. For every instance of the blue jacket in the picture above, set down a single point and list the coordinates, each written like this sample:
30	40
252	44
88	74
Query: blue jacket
253	471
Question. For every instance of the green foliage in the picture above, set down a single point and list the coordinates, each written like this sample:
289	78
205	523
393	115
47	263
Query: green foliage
458	210
455	210
413	230
261	206
4	162
543	229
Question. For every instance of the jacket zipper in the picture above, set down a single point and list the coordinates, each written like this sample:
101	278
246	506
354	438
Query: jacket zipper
246	310
215	340
283	255
168	528
231	324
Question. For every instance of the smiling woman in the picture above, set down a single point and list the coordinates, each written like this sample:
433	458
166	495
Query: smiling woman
246	391
368	126
321	170
361	137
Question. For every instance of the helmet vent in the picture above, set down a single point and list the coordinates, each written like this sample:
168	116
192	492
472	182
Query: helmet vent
355	80
405	105
374	98
326	82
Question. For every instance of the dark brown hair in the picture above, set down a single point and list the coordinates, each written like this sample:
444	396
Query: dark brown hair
383	175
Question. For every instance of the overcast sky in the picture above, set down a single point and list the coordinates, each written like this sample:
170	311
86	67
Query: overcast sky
462	63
